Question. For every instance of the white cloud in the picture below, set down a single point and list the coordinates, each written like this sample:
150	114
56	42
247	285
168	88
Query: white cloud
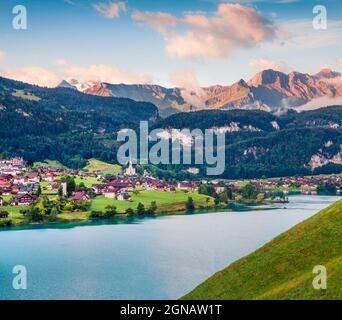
3	56
321	102
191	91
216	36
101	72
110	10
96	72
300	34
34	75
339	63
160	21
264	64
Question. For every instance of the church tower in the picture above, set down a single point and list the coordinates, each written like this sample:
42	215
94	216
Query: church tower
130	171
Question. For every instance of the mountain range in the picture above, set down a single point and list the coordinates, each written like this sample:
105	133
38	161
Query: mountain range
72	127
268	90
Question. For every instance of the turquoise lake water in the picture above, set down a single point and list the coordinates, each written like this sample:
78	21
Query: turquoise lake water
151	258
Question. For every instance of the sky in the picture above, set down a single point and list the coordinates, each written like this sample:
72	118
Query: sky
167	42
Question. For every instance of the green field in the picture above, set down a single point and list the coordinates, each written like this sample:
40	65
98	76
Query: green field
14	214
25	95
166	201
282	269
88	181
53	164
106	168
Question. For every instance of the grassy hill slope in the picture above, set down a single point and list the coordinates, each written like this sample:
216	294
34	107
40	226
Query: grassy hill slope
282	269
97	165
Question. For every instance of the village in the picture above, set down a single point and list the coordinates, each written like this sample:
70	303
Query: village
22	186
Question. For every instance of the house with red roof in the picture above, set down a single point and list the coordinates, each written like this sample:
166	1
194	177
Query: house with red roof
80	196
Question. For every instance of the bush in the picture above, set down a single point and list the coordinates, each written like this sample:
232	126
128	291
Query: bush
249	191
153	208
5	223
53	216
129	211
110	211
96	215
33	215
140	209
190	206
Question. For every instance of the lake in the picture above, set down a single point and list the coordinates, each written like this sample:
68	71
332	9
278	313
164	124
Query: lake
150	258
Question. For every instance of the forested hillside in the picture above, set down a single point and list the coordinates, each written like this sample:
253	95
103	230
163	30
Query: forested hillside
261	144
63	124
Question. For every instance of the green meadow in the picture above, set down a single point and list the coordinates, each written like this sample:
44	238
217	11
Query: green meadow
283	268
106	168
52	164
166	201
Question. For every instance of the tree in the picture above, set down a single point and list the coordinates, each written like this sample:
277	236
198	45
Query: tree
327	188
238	198
190	206
229	193
71	185
39	191
140	209
82	185
60	192
260	197
223	197
249	191
129	211
53	216
33	215
82	205
110	211
69	206
136	192
96	214
217	201
43	205
206	190
153	208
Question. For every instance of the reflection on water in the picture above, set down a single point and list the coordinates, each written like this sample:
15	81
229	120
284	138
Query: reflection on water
150	258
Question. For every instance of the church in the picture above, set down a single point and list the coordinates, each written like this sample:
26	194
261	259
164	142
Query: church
130	171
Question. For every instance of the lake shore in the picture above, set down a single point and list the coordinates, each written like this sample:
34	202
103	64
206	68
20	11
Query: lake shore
172	208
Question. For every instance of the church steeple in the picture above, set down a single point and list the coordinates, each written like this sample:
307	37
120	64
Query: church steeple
130	171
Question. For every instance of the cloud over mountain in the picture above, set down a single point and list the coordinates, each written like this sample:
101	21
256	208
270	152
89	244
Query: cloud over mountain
101	72
94	72
191	91
264	64
33	75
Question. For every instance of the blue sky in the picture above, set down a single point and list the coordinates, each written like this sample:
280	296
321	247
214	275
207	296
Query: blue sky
166	41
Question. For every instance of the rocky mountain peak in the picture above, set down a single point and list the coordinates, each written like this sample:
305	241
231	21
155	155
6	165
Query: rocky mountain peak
327	73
